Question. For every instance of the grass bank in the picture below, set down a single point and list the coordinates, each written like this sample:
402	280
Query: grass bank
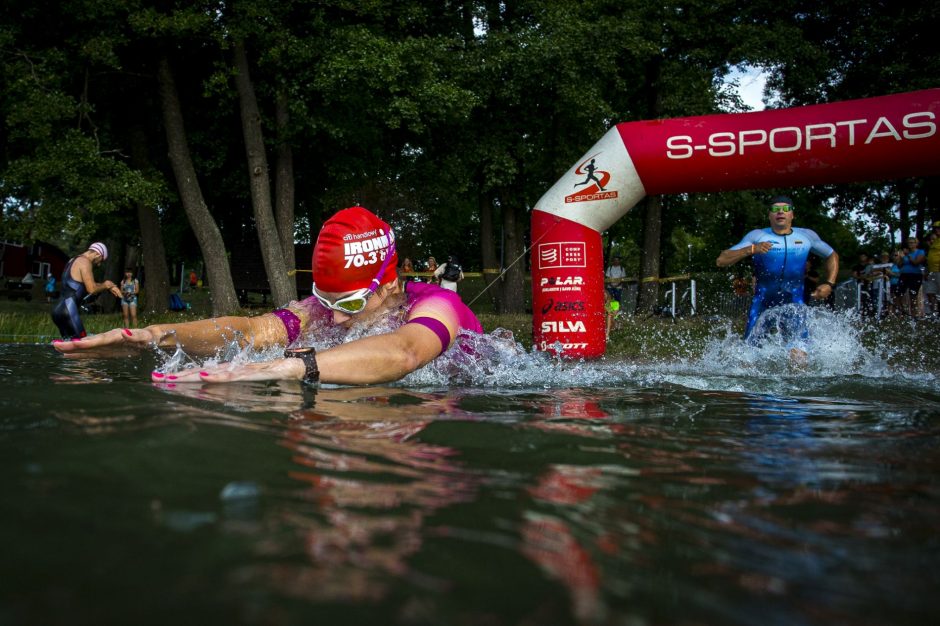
635	338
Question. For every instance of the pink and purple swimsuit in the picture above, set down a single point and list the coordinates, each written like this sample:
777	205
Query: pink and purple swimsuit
439	310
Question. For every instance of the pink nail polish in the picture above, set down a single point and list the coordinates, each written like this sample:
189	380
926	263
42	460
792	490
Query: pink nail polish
171	377
127	332
203	373
157	375
56	341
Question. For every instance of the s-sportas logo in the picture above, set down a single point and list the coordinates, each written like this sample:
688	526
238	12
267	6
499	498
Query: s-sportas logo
596	180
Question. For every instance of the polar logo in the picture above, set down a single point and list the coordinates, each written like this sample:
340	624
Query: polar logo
831	135
562	281
563	326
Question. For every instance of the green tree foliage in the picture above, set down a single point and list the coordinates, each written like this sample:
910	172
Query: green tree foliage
450	119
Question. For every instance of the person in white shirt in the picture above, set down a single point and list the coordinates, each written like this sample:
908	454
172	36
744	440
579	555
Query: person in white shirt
449	274
615	275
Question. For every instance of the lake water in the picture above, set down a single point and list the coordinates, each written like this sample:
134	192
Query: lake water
725	488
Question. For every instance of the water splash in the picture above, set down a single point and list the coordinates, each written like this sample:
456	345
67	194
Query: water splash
838	345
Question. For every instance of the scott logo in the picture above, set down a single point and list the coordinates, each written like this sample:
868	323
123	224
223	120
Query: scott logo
562	280
545	346
563	326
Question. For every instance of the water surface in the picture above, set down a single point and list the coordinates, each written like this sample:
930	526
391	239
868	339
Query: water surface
721	489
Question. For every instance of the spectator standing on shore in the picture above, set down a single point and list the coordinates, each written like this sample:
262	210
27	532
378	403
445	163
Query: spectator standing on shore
615	275
449	273
932	282
912	276
50	287
130	288
861	272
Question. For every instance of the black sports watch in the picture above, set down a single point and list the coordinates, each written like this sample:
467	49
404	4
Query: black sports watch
826	282
309	357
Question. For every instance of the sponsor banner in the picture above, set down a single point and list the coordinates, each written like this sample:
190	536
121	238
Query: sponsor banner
568	288
857	140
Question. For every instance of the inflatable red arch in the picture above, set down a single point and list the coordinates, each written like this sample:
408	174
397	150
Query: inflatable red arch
856	140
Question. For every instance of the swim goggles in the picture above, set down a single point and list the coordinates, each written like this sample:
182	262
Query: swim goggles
356	301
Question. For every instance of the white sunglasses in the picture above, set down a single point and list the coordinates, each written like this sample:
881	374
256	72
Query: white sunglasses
356	301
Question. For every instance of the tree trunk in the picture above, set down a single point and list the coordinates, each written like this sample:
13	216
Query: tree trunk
488	247
284	186
512	299
155	288
652	223
904	211
283	287
649	266
224	299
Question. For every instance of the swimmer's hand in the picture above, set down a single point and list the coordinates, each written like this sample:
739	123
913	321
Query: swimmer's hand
762	247
278	369
115	342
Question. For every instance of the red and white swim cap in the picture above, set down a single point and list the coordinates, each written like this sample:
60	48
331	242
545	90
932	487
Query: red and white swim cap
350	251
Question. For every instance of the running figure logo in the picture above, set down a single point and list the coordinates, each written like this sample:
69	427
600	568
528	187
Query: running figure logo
596	181
589	168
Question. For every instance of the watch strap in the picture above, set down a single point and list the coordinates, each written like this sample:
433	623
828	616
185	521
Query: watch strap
309	357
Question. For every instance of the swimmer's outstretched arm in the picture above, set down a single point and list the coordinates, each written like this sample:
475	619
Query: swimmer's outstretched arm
201	337
370	360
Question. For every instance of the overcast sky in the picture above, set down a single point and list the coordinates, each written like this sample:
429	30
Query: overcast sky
751	82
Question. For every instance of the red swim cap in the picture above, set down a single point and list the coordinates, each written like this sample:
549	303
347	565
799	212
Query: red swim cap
350	251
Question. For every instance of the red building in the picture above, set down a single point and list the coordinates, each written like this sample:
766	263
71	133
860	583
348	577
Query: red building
38	260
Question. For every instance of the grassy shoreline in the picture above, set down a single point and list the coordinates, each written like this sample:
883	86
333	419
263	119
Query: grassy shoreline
634	338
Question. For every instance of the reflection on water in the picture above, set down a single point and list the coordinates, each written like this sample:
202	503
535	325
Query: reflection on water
699	490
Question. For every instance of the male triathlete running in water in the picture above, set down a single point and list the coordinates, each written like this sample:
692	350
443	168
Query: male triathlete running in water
78	281
780	253
355	288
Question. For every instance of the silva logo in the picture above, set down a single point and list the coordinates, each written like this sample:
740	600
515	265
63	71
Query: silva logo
563	326
596	181
562	281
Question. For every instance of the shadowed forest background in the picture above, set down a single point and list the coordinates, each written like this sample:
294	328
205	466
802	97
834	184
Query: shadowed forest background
201	132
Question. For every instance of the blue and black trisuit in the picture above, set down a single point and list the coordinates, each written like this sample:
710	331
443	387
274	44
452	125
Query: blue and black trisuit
780	272
65	311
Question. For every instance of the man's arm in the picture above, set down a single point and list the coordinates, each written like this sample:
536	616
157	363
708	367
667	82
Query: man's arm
831	270
732	256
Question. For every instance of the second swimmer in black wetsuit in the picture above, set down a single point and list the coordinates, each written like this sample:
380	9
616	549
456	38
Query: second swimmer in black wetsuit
78	281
